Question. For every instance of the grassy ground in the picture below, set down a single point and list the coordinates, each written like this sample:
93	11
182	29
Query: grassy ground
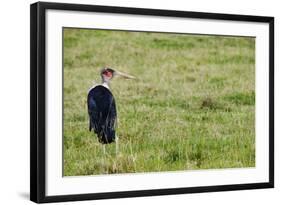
193	106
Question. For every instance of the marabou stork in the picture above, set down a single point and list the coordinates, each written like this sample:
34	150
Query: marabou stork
102	109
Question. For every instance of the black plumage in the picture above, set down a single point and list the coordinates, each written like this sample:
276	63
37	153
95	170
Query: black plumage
102	113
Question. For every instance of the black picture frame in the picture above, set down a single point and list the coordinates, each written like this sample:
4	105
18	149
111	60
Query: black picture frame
38	101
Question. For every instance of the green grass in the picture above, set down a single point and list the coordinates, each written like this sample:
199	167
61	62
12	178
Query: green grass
192	107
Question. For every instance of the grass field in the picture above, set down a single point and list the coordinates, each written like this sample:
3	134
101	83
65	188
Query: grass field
192	106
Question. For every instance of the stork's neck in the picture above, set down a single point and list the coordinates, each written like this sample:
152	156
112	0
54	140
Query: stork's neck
106	84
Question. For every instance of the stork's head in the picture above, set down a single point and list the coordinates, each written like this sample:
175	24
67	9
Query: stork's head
107	74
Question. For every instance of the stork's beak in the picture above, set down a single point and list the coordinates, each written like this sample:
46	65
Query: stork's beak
124	75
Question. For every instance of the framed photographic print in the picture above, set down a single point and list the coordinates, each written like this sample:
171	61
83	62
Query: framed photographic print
129	102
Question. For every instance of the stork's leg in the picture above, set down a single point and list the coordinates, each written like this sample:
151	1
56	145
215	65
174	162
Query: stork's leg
116	145
103	147
103	158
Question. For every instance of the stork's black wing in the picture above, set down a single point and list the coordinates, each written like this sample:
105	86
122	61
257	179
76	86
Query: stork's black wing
102	113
